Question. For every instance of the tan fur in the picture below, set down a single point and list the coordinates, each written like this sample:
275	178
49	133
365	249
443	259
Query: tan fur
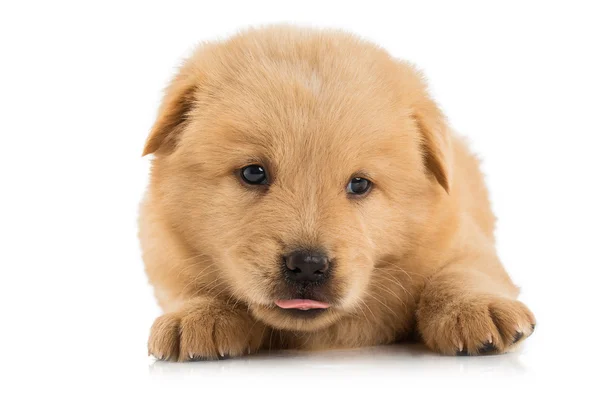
315	107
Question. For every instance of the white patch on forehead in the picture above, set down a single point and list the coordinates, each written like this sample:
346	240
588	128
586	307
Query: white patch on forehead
313	83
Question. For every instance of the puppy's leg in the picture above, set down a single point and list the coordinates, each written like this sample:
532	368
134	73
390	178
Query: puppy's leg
205	328
469	307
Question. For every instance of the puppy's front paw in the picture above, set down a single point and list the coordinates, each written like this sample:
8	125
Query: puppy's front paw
474	325
206	331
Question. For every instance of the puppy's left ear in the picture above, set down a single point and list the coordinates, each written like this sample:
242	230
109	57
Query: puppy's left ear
173	112
436	142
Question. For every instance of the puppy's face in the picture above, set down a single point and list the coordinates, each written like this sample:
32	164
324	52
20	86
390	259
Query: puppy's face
295	170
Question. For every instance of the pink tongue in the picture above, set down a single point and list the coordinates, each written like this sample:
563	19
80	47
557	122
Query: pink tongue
301	304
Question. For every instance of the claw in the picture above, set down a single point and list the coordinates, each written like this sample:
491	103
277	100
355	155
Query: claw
487	348
518	336
463	352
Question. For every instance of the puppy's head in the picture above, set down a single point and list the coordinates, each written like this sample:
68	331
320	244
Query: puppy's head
296	160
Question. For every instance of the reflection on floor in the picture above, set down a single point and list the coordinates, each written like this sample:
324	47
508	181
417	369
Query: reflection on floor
399	360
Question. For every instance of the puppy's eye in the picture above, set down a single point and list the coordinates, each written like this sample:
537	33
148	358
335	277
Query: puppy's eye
254	175
358	186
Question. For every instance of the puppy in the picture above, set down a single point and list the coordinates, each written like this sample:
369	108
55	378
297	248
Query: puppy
307	193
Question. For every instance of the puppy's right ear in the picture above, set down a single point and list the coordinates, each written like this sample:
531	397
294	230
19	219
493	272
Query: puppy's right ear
173	112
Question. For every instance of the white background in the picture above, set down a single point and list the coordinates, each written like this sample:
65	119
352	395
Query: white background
79	87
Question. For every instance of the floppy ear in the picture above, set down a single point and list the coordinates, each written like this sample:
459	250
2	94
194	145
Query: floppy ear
173	112
436	141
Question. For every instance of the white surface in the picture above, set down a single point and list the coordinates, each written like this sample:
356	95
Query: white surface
79	88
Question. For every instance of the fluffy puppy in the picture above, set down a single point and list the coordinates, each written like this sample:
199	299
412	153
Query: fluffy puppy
307	193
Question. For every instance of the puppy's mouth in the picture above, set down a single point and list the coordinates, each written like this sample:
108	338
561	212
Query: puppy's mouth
301	304
298	312
302	308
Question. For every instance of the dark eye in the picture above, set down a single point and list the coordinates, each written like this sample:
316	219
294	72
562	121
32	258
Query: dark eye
358	186
254	175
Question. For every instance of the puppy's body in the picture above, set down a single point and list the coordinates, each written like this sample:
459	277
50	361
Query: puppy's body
316	110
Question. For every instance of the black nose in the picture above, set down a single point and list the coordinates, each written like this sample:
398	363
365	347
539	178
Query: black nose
306	266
